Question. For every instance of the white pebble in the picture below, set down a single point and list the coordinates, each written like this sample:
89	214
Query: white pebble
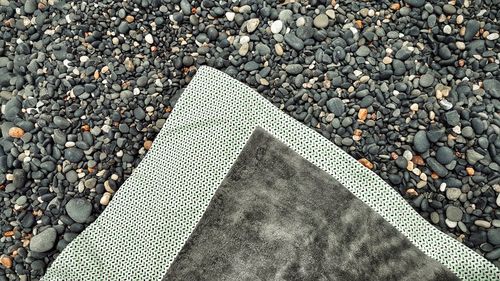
498	200
330	14
442	187
414	107
149	39
244	39
407	155
300	22
276	26
460	45
230	16
493	36
451	224
447	29
84	59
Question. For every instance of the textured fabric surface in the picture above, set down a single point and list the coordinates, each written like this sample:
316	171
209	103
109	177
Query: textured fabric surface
153	214
278	217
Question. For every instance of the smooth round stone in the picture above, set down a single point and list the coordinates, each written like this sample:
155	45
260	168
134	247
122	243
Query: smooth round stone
471	28
363	51
61	122
415	3
79	209
453	193
435	217
276	26
449	9
420	142
321	21
492	87
454	213
294	69
494	236
72	176
468	132
73	154
44	241
336	106
293	41
142	81
426	80
445	155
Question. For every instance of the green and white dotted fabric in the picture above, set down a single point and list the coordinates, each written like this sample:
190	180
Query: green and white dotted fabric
156	209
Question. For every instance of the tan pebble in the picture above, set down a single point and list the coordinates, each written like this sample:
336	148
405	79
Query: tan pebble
470	171
6	261
363	112
411	192
264	82
410	166
148	144
105	69
278	49
460	45
129	19
105	199
395	6
482	223
387	60
421	184
96	75
16	132
460	19
366	163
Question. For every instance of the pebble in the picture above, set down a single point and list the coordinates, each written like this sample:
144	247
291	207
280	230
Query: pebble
454	213
321	21
426	80
61	122
252	24
445	155
435	166
494	236
293	41
336	106
276	26
73	154
43	241
149	39
471	28
79	209
420	142
294	69
453	193
363	51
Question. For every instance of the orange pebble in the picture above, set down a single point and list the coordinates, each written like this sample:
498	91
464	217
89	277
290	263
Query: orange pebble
470	171
363	112
147	144
366	163
6	261
16	132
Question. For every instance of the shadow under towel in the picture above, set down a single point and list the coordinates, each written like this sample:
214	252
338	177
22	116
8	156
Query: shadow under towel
276	216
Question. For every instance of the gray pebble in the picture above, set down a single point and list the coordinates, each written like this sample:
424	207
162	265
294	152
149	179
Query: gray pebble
44	241
420	142
79	209
336	106
454	213
445	155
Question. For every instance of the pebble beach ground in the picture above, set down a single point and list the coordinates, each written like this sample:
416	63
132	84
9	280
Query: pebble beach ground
410	88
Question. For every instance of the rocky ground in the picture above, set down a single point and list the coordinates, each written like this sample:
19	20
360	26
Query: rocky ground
409	88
